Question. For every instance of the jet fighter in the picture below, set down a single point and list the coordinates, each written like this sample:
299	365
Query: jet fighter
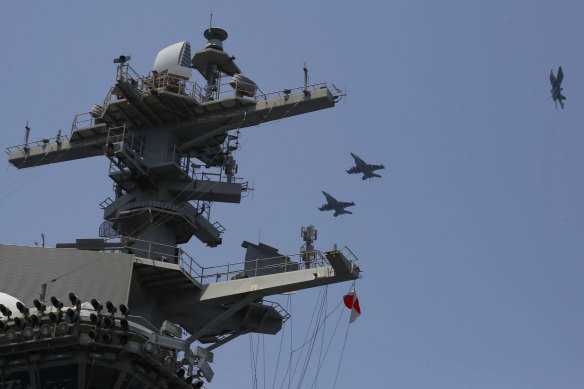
334	205
365	168
556	87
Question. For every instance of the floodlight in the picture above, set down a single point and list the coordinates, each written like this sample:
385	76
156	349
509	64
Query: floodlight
96	305
5	311
3	325
190	379
107	338
45	330
198	384
39	306
22	308
74	300
35	320
180	373
72	315
28	333
123	339
54	317
124	324
18	322
109	322
62	328
92	334
11	335
110	307
56	302
95	319
124	310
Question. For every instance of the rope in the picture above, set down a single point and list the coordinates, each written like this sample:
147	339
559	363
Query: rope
288	304
341	358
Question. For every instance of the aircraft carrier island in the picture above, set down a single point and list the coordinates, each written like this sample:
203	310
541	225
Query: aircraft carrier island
131	309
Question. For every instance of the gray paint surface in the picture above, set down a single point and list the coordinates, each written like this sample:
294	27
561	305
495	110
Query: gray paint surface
105	276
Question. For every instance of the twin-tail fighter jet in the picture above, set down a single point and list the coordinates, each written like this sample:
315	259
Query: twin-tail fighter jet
365	168
556	87
333	205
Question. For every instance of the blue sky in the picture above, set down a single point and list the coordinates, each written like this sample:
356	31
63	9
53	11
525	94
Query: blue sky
471	243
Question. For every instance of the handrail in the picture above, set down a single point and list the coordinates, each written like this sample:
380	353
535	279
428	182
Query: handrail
36	143
241	269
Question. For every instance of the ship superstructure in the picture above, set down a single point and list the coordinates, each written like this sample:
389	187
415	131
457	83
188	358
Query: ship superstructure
170	143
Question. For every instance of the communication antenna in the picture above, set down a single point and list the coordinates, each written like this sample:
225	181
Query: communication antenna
43	239
26	134
308	235
305	79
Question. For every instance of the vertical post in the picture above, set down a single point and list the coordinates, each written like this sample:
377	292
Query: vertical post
26	134
43	291
305	79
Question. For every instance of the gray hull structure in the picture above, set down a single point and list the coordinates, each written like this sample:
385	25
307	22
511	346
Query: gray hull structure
170	144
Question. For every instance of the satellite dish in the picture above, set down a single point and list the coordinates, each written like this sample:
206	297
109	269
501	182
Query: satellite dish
9	302
174	59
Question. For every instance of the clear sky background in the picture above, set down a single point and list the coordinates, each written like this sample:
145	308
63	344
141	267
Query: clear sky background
471	243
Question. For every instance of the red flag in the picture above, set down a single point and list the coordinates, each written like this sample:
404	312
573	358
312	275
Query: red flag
352	302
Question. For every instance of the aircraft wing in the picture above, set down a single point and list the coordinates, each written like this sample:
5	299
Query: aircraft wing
358	161
325	207
342	204
329	199
552	78
353	170
560	76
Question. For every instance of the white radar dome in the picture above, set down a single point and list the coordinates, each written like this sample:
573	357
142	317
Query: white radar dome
175	59
9	302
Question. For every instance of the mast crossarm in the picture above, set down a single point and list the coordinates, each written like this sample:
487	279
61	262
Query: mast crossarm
230	291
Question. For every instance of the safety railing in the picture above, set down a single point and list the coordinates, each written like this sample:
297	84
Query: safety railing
126	73
156	82
167	82
272	265
234	270
105	203
285	315
122	134
36	143
82	120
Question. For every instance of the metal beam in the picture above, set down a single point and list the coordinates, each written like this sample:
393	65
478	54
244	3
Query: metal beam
230	291
231	311
225	340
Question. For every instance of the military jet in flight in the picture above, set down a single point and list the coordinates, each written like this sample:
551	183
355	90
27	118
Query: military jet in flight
556	87
365	168
333	205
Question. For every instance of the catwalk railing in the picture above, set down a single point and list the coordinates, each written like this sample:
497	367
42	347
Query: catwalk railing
233	270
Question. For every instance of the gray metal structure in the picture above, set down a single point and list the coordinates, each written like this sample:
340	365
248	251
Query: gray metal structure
365	168
170	144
